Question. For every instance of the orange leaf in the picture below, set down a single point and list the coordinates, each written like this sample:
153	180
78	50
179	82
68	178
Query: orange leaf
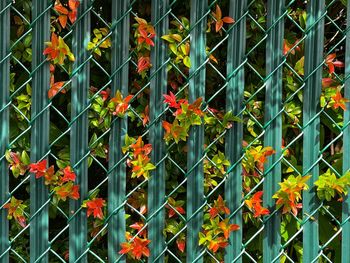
61	9
218	13
218	25
228	20
63	20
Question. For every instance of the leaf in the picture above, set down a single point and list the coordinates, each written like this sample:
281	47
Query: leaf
187	61
136	249
168	38
171	100
61	9
94	207
228	20
63	20
299	66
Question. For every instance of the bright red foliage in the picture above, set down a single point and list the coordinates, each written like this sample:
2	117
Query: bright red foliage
219	207
331	63
254	204
94	207
143	64
68	174
66	14
339	101
121	104
221	20
136	249
38	168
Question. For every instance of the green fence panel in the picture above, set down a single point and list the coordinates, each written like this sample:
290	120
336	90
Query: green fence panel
256	77
234	102
120	81
345	248
39	199
311	124
273	125
79	131
5	7
158	87
195	188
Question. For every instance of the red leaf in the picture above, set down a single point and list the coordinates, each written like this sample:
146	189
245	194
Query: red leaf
68	174
38	168
143	64
218	13
181	244
339	101
74	194
73	4
105	94
137	248
219	207
55	88
327	82
331	68
338	64
94	207
61	9
330	58
218	25
254	203
63	20
228	20
167	126
72	16
171	100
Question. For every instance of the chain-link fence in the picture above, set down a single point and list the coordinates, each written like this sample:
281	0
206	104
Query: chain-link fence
270	68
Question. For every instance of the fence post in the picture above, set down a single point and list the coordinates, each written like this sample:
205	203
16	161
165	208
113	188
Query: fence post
158	87
345	249
4	119
79	131
40	131
234	136
120	81
311	123
273	125
195	179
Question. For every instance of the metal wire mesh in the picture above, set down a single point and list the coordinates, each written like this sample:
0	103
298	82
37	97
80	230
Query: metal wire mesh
254	79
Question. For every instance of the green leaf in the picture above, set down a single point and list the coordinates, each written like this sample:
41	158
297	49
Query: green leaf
187	61
299	66
25	158
168	38
173	48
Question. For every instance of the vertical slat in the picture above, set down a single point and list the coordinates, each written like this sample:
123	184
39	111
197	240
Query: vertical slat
311	106
195	143
79	131
4	120
39	131
117	177
345	250
156	185
234	136
273	122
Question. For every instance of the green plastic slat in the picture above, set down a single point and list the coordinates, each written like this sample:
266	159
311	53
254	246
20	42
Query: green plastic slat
311	124
156	184
273	123
39	131
79	131
234	136
195	179
120	81
4	120
345	249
